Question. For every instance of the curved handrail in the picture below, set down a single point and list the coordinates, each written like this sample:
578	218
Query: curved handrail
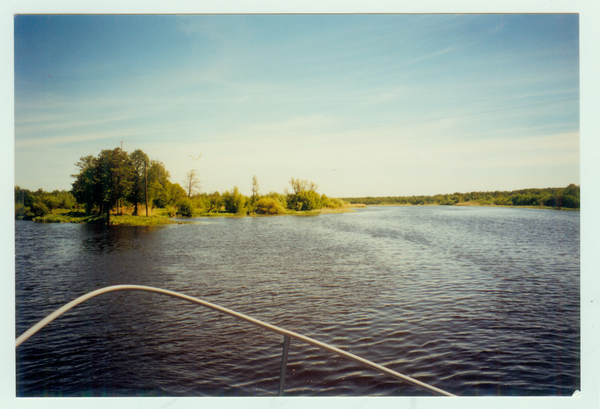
287	334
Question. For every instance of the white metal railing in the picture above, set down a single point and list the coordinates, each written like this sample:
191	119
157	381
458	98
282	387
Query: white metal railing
287	335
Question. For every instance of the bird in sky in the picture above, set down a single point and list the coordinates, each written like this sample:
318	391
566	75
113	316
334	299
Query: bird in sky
196	158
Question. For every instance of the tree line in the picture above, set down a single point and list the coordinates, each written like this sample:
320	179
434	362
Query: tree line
115	177
115	180
29	204
303	198
568	197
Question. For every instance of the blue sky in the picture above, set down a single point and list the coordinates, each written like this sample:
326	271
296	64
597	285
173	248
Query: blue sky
363	105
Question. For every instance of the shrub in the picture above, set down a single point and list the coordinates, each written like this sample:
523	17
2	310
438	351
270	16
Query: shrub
331	202
39	209
186	207
268	205
20	211
305	200
282	199
171	211
234	202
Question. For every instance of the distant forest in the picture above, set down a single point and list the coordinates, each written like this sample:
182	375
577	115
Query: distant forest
567	197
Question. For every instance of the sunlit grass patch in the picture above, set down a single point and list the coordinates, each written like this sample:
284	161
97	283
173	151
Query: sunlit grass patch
127	220
75	216
69	216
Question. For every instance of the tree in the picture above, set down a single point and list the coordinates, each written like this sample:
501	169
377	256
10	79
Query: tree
234	202
268	205
83	187
298	185
176	192
305	200
24	197
39	209
103	180
186	207
112	177
281	198
305	196
191	181
214	200
571	196
254	189
137	194
159	189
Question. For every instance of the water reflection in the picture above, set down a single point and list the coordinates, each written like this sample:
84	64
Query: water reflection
106	239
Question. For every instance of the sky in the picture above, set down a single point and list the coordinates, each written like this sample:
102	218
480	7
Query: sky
362	105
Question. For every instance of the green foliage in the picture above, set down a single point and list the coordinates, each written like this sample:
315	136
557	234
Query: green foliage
215	201
280	198
305	196
305	200
137	194
332	202
185	207
127	220
255	194
53	200
39	209
552	197
22	212
170	211
114	175
302	185
24	196
79	217
159	186
103	180
176	192
85	184
268	205
234	202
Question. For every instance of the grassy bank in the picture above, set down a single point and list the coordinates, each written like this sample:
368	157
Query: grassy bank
66	216
160	216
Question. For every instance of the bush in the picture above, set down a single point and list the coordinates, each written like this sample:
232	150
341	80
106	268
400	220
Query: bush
39	209
280	198
186	207
171	211
234	202
20	211
331	202
305	200
268	205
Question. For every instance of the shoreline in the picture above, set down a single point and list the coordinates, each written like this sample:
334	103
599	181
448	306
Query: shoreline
475	204
162	220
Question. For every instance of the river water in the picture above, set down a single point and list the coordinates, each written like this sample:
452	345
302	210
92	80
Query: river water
475	301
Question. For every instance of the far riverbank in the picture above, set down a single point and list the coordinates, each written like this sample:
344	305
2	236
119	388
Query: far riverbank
161	217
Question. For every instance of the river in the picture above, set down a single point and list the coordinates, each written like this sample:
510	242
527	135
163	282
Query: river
477	301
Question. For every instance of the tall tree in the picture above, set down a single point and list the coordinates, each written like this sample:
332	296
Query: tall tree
214	200
254	189
234	202
103	180
305	195
192	181
176	192
137	193
83	187
112	176
159	189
